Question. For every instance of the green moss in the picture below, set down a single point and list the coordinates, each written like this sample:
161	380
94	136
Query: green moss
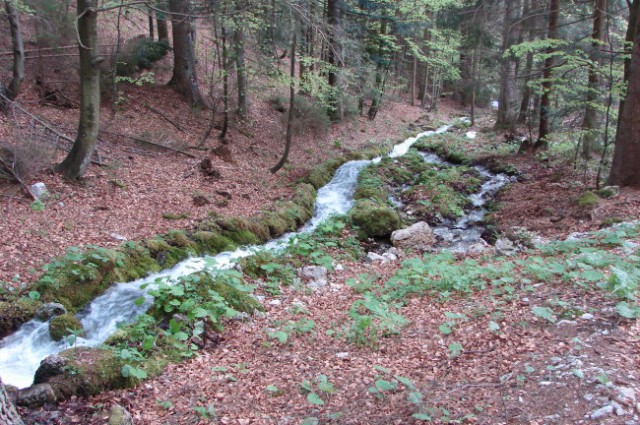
137	263
374	219
15	312
64	325
90	371
175	216
213	242
305	196
276	224
163	253
243	237
323	173
179	238
588	200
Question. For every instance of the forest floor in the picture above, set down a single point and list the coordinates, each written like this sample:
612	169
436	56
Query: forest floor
530	371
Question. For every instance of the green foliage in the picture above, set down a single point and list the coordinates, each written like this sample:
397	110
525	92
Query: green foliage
588	200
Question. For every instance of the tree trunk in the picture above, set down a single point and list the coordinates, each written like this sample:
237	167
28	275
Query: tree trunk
225	77
292	98
184	63
591	124
625	169
241	71
8	413
75	164
161	23
508	98
150	16
13	88
632	28
333	59
380	77
545	99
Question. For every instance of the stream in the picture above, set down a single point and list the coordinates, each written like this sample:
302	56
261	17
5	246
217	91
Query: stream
21	352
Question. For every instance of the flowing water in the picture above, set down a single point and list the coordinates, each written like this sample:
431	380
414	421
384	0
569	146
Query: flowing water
21	352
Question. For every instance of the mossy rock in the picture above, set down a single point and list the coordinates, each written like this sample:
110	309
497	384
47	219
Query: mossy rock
14	313
243	231
276	223
323	173
305	196
136	264
213	242
179	239
588	200
90	371
64	325
243	237
163	253
375	219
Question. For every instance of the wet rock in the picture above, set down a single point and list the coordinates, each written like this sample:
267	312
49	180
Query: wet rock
118	415
36	396
52	365
49	310
315	277
418	236
390	257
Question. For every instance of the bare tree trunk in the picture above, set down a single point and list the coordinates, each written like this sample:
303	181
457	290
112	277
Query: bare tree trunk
184	63
292	98
8	413
592	120
380	75
13	88
225	77
625	169
161	23
150	16
333	58
547	85
241	71
632	28
79	158
507	100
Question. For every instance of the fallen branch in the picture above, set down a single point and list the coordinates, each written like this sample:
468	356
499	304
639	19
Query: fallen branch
148	142
166	118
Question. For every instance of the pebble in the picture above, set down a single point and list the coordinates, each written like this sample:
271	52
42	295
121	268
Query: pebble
339	267
275	302
587	316
342	355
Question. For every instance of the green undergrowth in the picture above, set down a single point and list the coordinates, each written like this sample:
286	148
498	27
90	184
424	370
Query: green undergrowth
593	263
430	191
458	149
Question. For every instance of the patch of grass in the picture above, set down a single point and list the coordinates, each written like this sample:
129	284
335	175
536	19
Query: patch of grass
175	216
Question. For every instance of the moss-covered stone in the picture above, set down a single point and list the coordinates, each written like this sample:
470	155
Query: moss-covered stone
212	242
374	219
89	371
323	173
179	238
163	253
15	312
588	200
238	300
64	325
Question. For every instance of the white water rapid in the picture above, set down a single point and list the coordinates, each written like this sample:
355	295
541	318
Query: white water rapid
21	352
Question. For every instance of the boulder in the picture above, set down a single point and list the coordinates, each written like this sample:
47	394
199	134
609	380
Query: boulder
36	396
118	415
39	191
50	366
49	310
315	277
418	236
504	246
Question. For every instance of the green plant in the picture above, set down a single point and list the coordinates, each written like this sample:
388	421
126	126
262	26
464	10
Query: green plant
322	385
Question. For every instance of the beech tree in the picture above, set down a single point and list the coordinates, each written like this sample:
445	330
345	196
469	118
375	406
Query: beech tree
184	76
508	99
79	158
625	169
13	88
547	83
